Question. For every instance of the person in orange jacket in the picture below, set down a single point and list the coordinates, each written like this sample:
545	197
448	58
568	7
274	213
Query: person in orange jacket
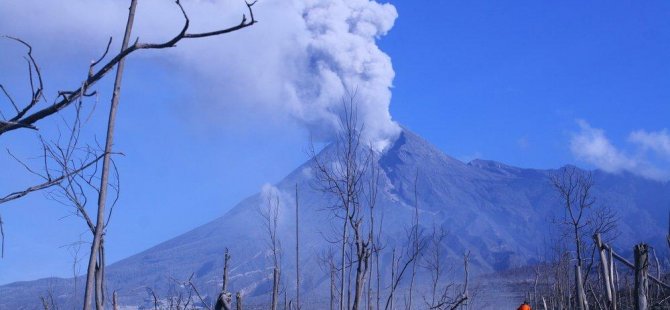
524	306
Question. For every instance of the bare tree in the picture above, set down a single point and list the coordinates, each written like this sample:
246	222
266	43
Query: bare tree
96	261
223	301
434	262
78	168
574	187
401	262
328	265
270	216
342	175
415	237
581	219
28	115
297	251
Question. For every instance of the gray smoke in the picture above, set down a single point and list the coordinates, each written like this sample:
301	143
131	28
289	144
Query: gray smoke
300	61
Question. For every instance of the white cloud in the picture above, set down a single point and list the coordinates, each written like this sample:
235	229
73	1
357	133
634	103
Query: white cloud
299	60
592	146
658	141
272	197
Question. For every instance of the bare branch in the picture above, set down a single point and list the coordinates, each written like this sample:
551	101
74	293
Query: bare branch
68	97
47	184
10	98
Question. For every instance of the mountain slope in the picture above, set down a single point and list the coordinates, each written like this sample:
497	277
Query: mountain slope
498	212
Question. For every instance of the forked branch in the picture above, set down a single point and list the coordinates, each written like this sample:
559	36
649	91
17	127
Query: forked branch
27	117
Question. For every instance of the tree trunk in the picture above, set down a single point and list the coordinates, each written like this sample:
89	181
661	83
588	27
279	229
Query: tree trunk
361	270
99	303
238	301
343	259
393	276
275	288
614	276
605	270
104	178
223	302
115	301
641	276
580	296
226	261
332	288
297	252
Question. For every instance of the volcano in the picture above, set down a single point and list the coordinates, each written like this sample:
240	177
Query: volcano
499	213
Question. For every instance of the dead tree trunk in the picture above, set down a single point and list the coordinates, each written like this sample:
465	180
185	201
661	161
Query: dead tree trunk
614	285
104	178
363	257
332	287
275	288
238	301
226	259
297	251
579	289
115	301
415	238
605	271
641	276
393	280
345	273
223	302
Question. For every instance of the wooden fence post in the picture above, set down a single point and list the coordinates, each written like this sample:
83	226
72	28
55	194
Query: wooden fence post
605	268
641	276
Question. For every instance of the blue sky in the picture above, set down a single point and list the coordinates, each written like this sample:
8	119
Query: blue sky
529	84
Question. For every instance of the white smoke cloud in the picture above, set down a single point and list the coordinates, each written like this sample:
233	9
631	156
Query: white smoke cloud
275	200
592	146
300	60
658	141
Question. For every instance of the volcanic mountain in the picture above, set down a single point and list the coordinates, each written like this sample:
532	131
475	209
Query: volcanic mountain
499	213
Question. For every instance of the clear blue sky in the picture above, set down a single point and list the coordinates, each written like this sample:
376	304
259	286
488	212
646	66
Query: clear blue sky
518	83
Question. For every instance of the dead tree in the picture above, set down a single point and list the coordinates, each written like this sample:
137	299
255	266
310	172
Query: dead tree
29	115
400	264
574	188
223	301
238	301
270	216
115	301
329	266
464	295
641	276
606	266
297	251
96	262
62	160
433	262
371	197
342	175
415	236
78	167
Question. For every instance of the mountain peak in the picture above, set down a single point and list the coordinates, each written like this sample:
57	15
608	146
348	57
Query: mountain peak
410	147
490	164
